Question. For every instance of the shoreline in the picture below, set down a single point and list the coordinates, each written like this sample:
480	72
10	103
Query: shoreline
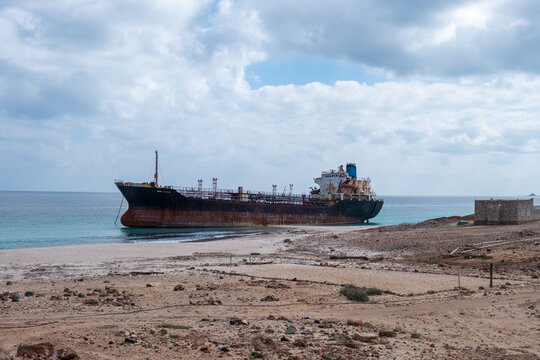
182	299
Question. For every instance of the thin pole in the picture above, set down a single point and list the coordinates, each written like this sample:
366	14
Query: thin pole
156	174
490	274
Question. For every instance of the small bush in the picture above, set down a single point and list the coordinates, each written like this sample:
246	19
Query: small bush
373	291
256	355
354	293
91	302
172	336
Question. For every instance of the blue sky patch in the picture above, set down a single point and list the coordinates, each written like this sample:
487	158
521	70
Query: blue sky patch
302	70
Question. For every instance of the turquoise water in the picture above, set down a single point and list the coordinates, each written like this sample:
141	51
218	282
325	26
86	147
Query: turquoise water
40	219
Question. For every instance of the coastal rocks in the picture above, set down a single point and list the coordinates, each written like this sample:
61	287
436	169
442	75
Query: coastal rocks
290	330
355	322
6	296
130	340
365	337
67	354
36	351
237	321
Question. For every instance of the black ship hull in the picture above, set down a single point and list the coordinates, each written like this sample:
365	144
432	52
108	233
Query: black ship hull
165	207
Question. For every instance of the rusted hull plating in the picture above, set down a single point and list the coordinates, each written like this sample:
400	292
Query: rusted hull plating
155	207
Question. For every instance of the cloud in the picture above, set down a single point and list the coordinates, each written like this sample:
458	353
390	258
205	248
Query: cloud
89	90
429	38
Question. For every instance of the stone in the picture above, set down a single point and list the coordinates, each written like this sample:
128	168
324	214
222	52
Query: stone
29	293
148	285
365	337
179	287
41	350
355	322
287	241
415	335
224	349
235	321
325	324
284	339
15	297
9	283
67	354
300	343
270	298
130	340
290	330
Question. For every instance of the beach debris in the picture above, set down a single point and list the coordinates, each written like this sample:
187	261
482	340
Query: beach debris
136	273
36	351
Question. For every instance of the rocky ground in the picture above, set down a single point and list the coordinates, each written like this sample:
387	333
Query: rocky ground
279	297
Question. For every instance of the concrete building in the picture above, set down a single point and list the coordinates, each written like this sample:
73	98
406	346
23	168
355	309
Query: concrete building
505	212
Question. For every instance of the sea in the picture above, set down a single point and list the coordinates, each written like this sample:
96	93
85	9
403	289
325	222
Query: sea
43	219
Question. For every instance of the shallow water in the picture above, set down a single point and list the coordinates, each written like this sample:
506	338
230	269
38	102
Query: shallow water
40	219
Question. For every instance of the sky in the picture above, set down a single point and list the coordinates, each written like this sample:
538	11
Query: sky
427	97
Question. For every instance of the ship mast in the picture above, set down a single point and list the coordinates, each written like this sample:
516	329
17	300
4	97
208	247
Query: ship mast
156	173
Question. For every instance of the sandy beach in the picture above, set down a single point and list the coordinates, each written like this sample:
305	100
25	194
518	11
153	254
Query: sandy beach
276	295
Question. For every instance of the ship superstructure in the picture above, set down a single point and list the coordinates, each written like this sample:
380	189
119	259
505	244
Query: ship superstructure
342	185
340	198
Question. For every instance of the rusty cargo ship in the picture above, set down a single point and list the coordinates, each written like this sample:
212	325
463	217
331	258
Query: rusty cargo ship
340	198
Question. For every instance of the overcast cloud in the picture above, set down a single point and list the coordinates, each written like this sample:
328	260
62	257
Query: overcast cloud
88	89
